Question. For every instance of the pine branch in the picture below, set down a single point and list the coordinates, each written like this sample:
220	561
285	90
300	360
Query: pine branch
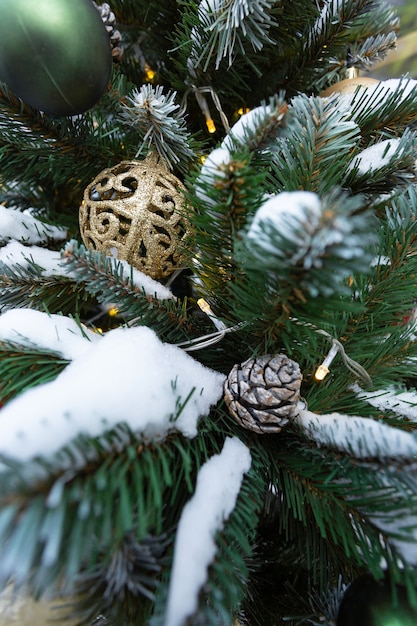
80	144
80	518
228	577
259	128
380	18
340	499
228	83
27	287
311	153
384	166
225	585
389	105
227	194
21	369
38	134
327	43
104	278
156	119
390	344
301	241
363	55
223	27
122	586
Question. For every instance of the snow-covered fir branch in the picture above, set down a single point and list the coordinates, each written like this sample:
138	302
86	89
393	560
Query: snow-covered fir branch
225	25
361	437
300	230
23	226
156	117
154	388
400	401
17	257
218	485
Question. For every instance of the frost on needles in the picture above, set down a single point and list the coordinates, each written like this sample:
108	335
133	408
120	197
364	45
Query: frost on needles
126	486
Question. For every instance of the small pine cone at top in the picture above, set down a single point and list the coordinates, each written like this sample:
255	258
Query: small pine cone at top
109	21
262	394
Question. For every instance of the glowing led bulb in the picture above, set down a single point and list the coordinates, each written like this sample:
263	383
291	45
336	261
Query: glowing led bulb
321	372
149	73
210	126
205	307
323	369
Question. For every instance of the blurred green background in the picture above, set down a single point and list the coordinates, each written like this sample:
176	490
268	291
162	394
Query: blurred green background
403	60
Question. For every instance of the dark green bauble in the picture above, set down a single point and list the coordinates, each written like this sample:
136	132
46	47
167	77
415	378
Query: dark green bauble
368	602
54	54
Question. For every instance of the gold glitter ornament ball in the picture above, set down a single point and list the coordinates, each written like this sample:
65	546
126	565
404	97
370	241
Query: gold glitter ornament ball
135	211
349	85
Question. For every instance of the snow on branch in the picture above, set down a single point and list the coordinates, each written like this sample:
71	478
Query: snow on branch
299	231
218	486
400	527
225	24
51	263
126	376
391	102
158	120
25	227
361	437
50	333
376	156
390	160
16	255
258	127
403	403
76	257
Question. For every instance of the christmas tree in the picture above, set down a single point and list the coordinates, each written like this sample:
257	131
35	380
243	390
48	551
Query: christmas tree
208	345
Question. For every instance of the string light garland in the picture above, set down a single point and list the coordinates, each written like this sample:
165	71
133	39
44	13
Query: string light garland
323	369
205	307
211	338
337	347
203	104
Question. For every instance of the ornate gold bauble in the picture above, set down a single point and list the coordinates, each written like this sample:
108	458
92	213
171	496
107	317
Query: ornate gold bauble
135	211
349	85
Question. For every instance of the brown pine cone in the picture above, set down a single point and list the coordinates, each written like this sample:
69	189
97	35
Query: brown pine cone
262	394
109	21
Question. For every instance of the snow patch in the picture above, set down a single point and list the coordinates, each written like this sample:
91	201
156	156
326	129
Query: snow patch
23	226
358	436
126	376
217	489
376	157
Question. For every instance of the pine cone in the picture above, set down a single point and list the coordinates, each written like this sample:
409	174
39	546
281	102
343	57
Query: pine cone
109	21
262	394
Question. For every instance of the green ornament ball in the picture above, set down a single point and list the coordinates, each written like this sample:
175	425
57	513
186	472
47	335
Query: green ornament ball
368	602
54	54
